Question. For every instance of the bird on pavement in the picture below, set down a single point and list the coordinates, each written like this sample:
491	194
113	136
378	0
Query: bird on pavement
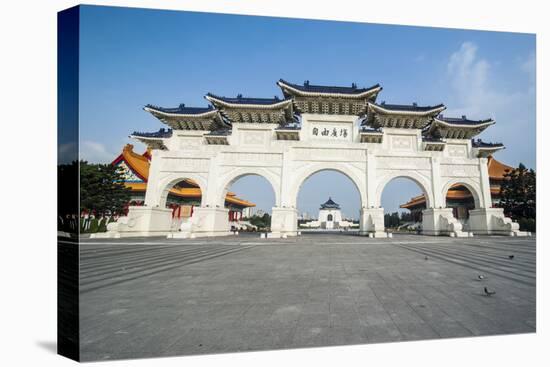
426	258
488	292
511	257
480	277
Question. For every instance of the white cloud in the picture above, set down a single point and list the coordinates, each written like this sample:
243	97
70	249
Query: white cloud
95	152
529	66
472	82
473	95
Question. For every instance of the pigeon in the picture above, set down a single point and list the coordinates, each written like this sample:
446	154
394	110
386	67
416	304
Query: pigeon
488	292
480	277
426	258
511	257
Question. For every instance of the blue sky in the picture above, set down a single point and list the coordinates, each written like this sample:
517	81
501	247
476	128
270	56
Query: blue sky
132	57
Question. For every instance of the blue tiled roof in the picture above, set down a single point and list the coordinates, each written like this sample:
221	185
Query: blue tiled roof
408	107
481	144
329	204
462	120
182	109
162	133
306	87
248	100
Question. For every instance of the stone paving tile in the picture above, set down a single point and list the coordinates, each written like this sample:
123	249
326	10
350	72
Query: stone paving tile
316	290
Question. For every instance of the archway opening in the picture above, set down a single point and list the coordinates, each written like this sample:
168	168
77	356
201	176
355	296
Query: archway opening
249	199
182	197
328	200
403	200
461	200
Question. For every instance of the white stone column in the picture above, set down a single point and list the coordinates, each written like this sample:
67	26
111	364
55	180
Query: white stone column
371	222
284	222
284	218
485	200
371	180
213	195
153	191
437	220
208	222
212	218
438	196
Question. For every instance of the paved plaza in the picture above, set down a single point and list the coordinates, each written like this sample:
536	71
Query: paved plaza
157	297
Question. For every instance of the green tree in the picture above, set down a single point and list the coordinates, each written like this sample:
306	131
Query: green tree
405	217
391	220
102	189
518	194
262	222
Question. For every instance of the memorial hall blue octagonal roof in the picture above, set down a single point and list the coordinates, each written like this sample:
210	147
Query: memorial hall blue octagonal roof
329	204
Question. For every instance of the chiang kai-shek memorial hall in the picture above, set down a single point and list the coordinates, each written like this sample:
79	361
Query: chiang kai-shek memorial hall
312	128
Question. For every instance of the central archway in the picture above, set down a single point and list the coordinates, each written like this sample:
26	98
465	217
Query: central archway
356	176
328	199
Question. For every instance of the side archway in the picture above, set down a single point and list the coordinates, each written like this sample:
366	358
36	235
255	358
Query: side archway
165	185
420	180
471	185
233	176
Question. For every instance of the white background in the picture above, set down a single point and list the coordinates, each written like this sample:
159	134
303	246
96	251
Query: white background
28	181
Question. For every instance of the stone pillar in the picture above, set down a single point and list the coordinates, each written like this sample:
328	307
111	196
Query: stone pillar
491	221
284	222
208	222
371	181
153	191
286	183
485	200
441	222
372	222
141	221
438	196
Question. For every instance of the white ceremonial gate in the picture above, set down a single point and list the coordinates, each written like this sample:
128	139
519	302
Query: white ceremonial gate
314	128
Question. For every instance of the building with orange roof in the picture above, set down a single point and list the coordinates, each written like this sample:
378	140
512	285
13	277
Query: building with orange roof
459	198
182	198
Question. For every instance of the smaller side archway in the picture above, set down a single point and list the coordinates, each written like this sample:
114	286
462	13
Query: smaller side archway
406	196
461	196
468	184
248	195
422	183
177	195
166	185
228	180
